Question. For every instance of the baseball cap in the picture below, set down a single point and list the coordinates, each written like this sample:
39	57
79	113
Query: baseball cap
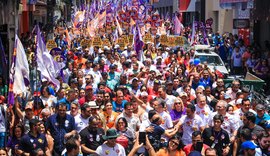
44	80
92	104
159	57
183	94
248	145
169	82
144	93
135	78
106	48
28	106
88	87
260	107
202	87
116	46
239	101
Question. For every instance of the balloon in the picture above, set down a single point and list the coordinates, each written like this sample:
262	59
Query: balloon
196	61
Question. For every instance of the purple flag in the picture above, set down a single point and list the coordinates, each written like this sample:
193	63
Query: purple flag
19	72
138	42
177	25
45	62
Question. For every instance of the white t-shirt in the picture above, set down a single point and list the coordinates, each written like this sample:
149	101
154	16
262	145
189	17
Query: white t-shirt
239	115
117	150
80	122
169	101
87	71
204	113
166	120
50	101
189	126
96	76
132	121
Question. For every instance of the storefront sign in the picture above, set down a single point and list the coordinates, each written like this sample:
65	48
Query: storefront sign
51	44
97	41
106	42
86	43
163	39
241	23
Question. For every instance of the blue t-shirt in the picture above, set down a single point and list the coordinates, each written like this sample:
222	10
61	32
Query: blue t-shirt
265	117
205	82
119	107
30	143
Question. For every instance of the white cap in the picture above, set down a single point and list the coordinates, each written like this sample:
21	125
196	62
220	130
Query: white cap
92	104
79	48
135	78
44	80
183	94
144	93
106	48
239	101
159	57
116	46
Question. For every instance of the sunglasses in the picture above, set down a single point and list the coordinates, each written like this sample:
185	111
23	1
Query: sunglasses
177	103
174	142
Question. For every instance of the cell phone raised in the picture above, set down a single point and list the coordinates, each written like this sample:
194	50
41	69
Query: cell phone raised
142	137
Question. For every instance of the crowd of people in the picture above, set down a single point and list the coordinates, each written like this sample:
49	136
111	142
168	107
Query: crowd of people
115	101
108	97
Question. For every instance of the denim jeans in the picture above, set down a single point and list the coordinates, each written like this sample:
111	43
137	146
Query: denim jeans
2	139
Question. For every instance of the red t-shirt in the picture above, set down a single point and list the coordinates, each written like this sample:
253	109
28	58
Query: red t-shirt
189	148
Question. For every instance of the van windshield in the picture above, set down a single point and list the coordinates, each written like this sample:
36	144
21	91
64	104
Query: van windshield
211	60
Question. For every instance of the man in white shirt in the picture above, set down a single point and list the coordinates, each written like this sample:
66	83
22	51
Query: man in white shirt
133	121
245	107
169	99
82	120
96	73
202	109
110	148
190	122
166	118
